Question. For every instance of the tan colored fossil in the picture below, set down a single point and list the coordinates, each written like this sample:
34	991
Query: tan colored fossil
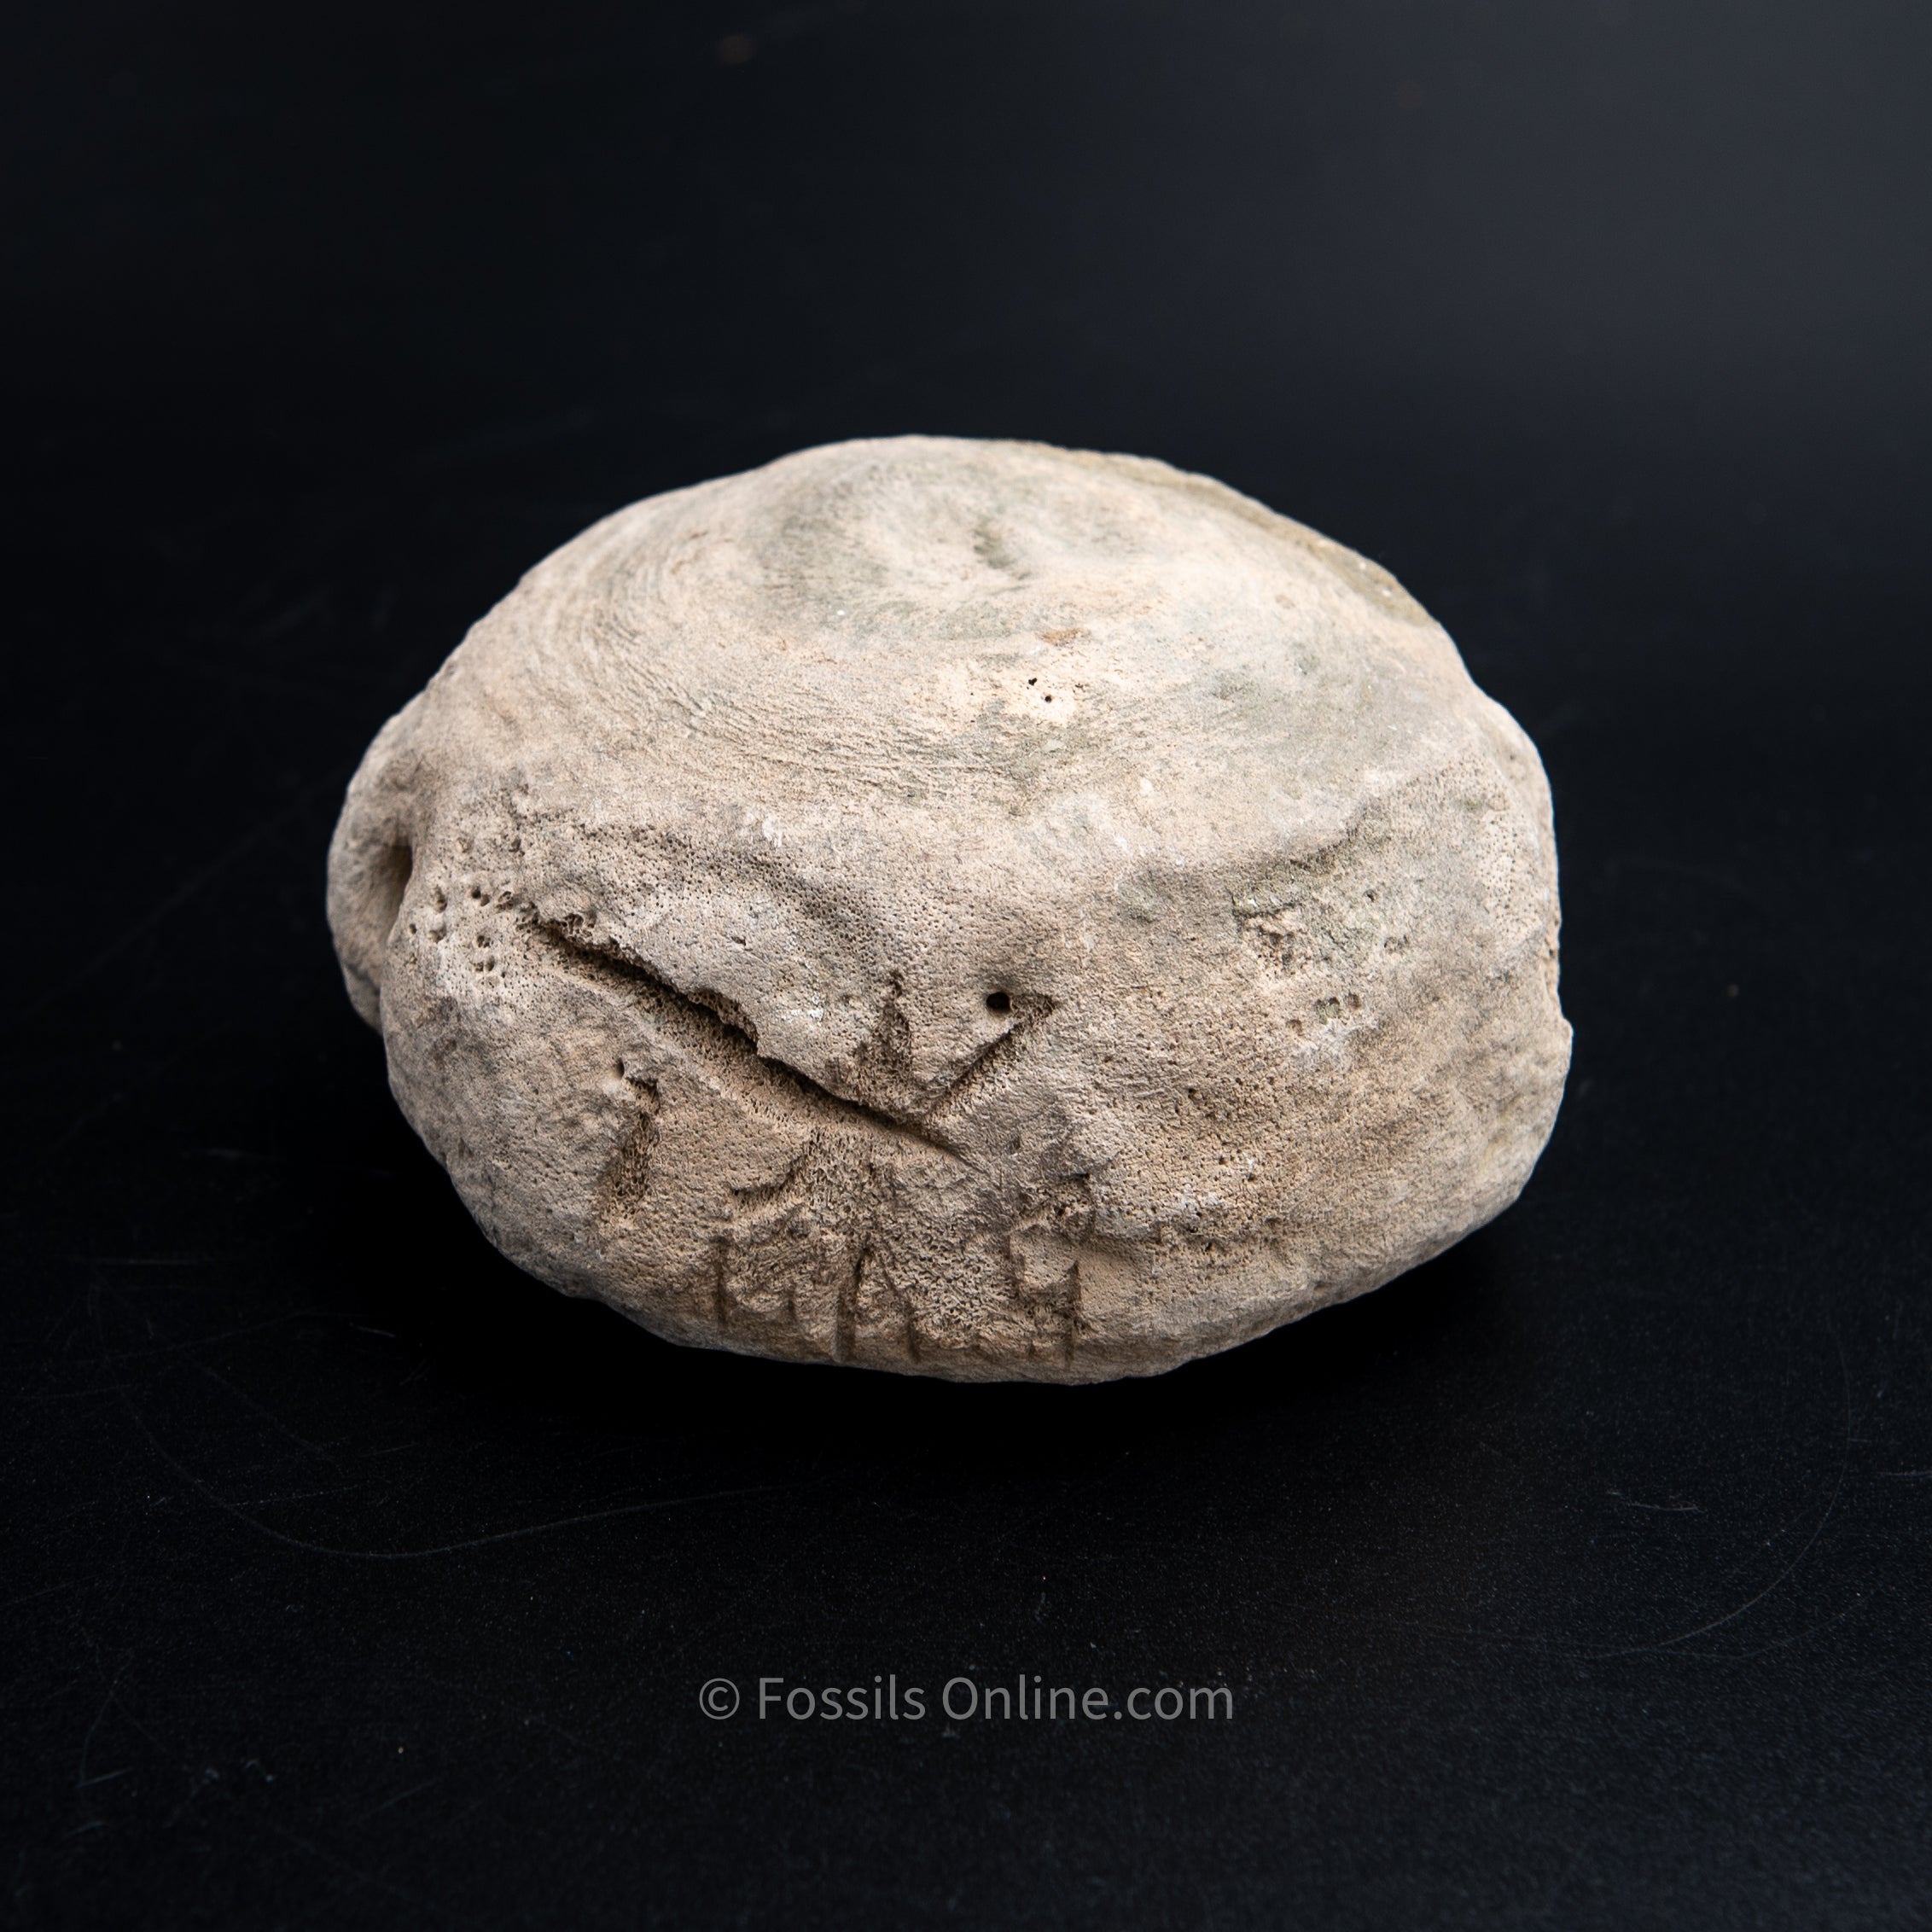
970	908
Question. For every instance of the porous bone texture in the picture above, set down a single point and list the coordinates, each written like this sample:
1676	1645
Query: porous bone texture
968	908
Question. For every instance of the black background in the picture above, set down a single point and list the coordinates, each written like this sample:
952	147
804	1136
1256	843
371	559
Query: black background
1580	1578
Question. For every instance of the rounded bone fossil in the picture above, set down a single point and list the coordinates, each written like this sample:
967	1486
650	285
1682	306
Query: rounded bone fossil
974	908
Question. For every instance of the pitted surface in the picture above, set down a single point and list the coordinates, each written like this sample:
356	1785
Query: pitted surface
972	908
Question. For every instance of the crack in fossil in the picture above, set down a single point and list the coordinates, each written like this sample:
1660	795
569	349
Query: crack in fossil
732	1038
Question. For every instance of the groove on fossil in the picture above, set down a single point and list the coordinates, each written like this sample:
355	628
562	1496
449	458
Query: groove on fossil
764	1194
725	1041
845	1333
1031	1008
627	1180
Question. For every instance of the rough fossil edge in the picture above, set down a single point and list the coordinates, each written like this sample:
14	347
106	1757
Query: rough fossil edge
831	1310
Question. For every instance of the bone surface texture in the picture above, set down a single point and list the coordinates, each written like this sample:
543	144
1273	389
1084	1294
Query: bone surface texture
972	908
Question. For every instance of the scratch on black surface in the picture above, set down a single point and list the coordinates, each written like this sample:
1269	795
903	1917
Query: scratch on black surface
274	1535
81	1779
300	1496
415	1790
1666	1644
268	1415
214	1339
209	1494
125	936
48	1590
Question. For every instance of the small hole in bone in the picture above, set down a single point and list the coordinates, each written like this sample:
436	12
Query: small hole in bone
388	880
999	1001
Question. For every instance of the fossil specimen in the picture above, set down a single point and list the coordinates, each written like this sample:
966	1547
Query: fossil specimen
970	908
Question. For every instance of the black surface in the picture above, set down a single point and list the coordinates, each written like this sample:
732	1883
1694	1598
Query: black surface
1578	1580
